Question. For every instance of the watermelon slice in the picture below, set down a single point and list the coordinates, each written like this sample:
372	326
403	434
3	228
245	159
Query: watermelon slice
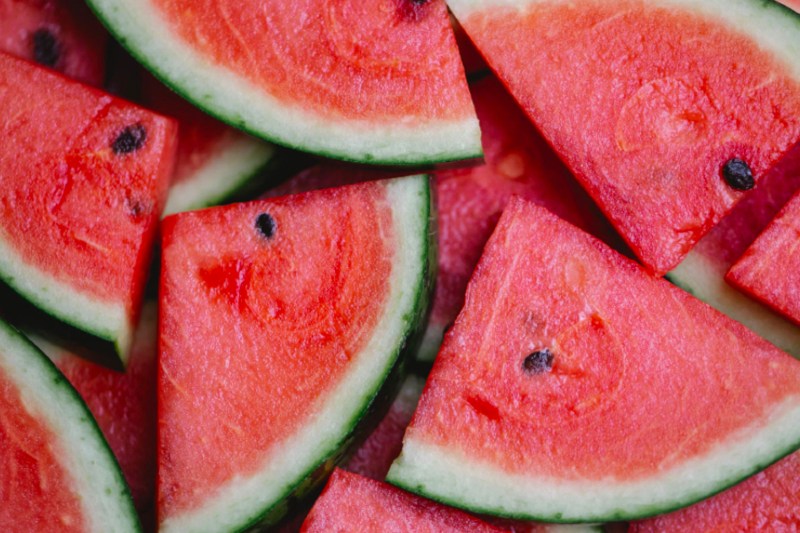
56	471
84	178
214	161
766	502
770	269
123	404
278	328
354	503
667	111
377	82
703	270
576	387
59	34
518	162
792	4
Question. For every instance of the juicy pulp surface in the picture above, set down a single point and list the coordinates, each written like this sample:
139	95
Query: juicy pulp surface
72	208
278	315
400	54
470	201
78	41
36	491
766	502
124	406
354	503
648	119
770	268
621	381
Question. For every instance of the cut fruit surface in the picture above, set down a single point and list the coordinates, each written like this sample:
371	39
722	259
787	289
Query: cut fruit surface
639	100
518	162
354	503
84	180
377	82
280	325
56	471
766	502
58	34
702	272
563	392
123	404
770	268
213	161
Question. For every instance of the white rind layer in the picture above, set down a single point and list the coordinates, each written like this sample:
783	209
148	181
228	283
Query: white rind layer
243	499
224	173
48	396
698	275
451	476
774	27
139	26
105	319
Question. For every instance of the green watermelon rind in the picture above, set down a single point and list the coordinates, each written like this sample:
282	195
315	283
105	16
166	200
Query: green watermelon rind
698	275
413	213
107	322
419	475
105	495
229	170
215	90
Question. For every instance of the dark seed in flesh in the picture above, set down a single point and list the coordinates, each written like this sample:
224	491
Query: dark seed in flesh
738	175
130	139
265	224
538	362
45	47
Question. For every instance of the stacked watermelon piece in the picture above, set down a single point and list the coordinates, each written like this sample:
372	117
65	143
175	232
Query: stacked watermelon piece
460	294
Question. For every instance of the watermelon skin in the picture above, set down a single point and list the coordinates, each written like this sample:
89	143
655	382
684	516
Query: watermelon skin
703	271
81	201
56	469
769	270
766	502
274	445
496	434
377	82
658	98
354	503
123	405
470	201
59	34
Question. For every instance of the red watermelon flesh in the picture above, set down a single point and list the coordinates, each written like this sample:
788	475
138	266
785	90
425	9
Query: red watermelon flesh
123	404
770	268
766	502
374	457
37	494
84	182
470	201
637	98
793	4
641	379
354	503
60	34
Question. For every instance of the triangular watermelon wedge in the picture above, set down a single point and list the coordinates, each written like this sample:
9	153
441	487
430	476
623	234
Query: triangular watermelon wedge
374	82
666	111
280	322
576	387
83	179
56	470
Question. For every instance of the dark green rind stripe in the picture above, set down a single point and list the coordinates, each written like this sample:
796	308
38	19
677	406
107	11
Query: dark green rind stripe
48	375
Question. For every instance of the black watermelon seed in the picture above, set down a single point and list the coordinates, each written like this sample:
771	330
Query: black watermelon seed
738	175
46	50
130	139
266	225
538	362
